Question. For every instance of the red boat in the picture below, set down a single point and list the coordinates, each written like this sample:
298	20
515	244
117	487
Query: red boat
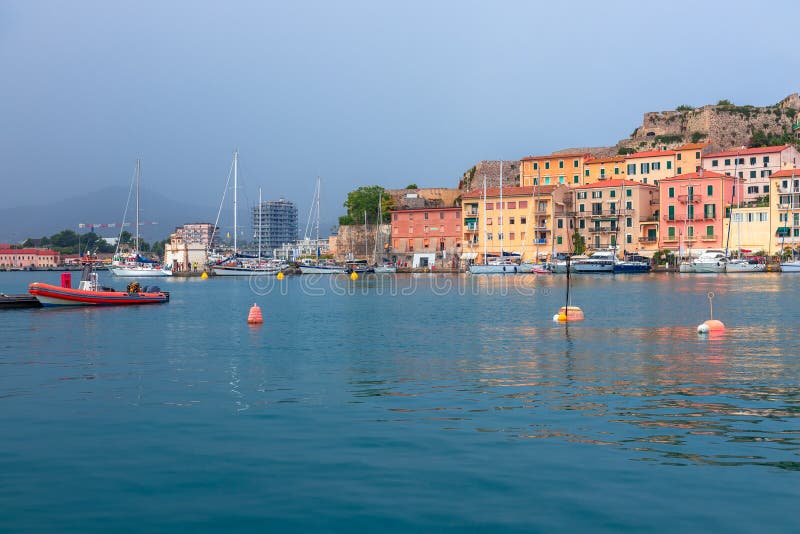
90	293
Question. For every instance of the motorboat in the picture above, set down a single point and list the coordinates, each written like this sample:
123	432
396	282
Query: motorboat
602	261
560	266
322	268
790	266
633	264
745	265
386	268
245	267
137	266
535	268
495	267
711	261
90	293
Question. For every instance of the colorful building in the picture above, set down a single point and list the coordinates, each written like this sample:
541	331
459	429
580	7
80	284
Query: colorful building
784	210
753	166
749	230
28	258
693	207
432	231
599	169
654	165
529	221
618	213
555	169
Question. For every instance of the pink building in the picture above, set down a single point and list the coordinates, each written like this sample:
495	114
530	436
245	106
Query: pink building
693	207
753	166
425	230
28	258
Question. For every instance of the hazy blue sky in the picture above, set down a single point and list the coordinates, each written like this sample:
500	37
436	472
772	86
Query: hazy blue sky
360	93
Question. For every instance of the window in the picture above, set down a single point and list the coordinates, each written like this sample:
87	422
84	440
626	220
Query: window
426	243
489	237
709	231
535	166
690	212
727	162
489	221
581	208
441	215
616	170
489	206
396	243
546	164
628	192
426	216
523	220
561	164
752	161
597	208
523	204
582	194
671	192
425	229
629	238
511	220
629	205
669	165
546	179
679	156
752	174
629	222
597	194
394	215
511	235
613	193
586	172
671	213
715	163
542	205
710	211
766	189
575	179
582	224
411	216
763	216
561	223
741	161
561	179
710	190
575	163
631	169
766	160
690	232
671	232
499	220
753	189
511	206
678	170
697	155
644	168
559	240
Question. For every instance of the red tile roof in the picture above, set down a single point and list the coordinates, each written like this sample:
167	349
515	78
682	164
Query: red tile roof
36	251
615	159
555	156
650	154
525	191
786	173
696	176
617	182
693	146
748	151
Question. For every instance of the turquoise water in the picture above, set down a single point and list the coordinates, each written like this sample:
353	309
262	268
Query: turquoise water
416	403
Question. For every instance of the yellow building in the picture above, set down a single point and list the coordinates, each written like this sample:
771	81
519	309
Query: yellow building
530	220
618	213
599	169
553	170
748	230
654	165
784	210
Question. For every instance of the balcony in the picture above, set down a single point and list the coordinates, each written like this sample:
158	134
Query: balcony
670	239
601	229
645	220
539	241
690	199
645	239
688	218
708	238
471	228
607	213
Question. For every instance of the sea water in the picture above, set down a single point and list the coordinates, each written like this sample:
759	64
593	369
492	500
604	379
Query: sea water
407	403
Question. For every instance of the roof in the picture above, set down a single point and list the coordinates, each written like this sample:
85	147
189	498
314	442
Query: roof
614	159
617	182
786	173
525	191
554	156
37	251
693	146
696	176
748	151
650	154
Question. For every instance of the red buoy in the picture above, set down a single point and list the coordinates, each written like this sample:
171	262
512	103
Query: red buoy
254	317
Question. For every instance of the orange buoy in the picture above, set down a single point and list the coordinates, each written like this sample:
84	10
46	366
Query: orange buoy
712	325
568	314
254	317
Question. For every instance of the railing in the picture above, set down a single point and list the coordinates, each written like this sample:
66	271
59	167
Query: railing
708	238
601	229
648	219
471	228
690	198
645	239
539	241
670	239
695	217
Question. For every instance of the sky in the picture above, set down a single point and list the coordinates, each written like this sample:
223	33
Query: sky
359	93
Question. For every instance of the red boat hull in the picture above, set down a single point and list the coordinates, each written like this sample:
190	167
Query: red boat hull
50	295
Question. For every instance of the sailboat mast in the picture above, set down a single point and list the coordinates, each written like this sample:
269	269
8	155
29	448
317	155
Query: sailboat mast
138	171
235	199
501	236
485	228
366	246
260	223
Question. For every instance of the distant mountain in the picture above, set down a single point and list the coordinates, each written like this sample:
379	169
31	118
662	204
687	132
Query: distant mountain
103	207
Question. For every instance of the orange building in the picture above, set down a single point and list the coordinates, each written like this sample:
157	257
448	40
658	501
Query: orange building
28	258
599	169
566	169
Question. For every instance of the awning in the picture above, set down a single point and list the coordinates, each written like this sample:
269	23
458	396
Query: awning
469	255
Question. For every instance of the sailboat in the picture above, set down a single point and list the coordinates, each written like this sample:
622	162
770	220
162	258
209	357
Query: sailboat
792	266
385	267
308	266
740	264
495	266
237	264
134	264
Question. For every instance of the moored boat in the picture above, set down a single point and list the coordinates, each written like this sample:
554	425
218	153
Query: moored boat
90	293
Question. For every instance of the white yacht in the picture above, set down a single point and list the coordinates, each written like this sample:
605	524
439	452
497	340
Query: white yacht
745	265
711	261
602	261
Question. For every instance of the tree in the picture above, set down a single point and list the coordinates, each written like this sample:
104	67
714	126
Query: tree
724	102
412	186
125	237
578	243
365	199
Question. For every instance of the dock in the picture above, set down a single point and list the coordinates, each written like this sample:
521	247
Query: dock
18	301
